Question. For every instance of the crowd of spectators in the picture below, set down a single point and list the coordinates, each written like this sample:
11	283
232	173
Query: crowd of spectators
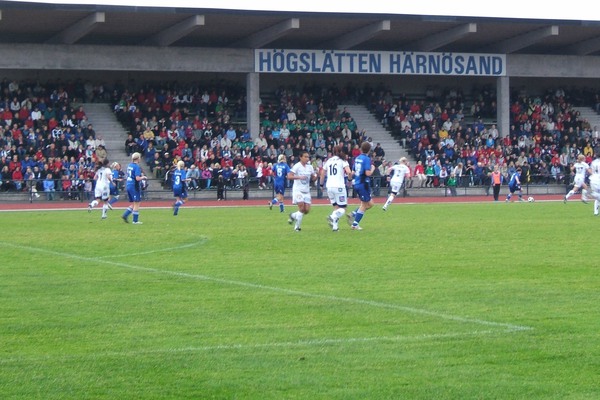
46	145
198	125
545	137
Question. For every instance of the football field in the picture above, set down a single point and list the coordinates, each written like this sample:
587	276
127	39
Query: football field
429	301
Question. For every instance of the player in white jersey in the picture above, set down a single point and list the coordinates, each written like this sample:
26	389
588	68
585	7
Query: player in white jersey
581	168
302	173
595	183
333	176
398	173
103	178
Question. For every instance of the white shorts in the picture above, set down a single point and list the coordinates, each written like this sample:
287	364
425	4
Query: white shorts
579	181
595	186
101	192
300	197
338	196
396	186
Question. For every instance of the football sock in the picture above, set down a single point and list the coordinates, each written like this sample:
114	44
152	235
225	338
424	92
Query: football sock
357	217
388	201
299	216
127	212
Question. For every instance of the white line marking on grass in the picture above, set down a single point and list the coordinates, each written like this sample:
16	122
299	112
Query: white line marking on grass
250	346
377	304
143	253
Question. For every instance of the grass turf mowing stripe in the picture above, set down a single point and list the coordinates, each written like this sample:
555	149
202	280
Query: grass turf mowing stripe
412	310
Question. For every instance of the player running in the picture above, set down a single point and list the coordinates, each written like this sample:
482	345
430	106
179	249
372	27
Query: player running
333	176
179	186
103	178
399	172
581	168
280	172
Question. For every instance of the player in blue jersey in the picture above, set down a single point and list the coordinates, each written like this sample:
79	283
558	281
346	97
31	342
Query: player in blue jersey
134	188
362	171
179	186
280	172
514	185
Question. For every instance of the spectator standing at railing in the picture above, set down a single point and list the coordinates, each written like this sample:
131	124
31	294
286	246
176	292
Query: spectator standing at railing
49	187
30	182
496	180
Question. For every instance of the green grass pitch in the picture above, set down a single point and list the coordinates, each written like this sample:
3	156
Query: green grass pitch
429	301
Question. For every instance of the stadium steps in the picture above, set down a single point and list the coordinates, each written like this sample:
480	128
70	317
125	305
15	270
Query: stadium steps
374	129
590	114
110	129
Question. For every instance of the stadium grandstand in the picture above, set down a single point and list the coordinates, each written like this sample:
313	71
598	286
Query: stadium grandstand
224	89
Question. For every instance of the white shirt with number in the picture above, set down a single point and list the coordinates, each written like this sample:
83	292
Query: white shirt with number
580	169
398	173
301	187
103	178
335	169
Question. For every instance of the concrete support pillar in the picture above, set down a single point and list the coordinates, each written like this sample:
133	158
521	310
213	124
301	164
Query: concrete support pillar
252	103
503	105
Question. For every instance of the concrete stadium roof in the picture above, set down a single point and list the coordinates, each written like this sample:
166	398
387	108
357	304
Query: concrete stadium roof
37	23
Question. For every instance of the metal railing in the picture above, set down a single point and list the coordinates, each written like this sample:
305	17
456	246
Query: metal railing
250	189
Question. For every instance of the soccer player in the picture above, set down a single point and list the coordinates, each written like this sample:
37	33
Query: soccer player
363	169
103	178
595	183
333	177
580	168
514	185
280	172
114	184
398	172
302	173
134	188
179	186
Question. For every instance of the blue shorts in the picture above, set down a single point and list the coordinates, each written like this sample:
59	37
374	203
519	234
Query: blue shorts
181	192
363	192
279	189
135	195
514	188
114	190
